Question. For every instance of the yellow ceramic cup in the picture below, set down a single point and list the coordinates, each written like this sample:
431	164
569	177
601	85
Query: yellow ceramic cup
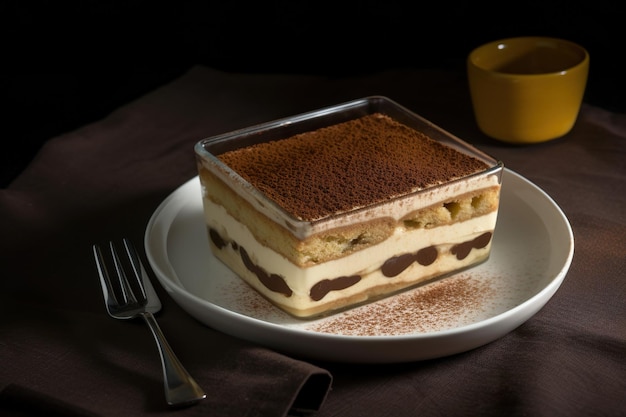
527	89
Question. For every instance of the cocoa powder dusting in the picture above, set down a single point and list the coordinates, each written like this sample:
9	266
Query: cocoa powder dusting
320	173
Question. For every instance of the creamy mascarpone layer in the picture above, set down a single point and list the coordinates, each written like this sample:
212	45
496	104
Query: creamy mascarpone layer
365	263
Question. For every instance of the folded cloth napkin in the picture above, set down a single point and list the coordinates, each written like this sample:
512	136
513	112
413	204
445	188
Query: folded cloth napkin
99	183
94	365
258	383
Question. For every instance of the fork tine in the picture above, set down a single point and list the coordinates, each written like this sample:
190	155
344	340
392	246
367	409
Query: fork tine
128	294
105	281
136	266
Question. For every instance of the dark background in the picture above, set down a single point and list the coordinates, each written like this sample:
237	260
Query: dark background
67	64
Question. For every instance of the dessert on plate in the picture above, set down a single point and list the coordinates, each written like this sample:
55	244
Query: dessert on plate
344	205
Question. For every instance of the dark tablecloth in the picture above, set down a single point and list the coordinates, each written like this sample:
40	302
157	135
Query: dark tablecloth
62	355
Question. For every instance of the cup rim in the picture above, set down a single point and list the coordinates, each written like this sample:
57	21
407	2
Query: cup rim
471	59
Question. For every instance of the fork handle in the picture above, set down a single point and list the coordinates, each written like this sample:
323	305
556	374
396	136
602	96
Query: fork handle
180	388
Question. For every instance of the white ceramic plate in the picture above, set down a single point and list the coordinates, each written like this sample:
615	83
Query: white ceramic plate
531	253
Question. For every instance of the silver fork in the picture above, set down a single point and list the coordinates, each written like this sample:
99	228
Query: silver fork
128	300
